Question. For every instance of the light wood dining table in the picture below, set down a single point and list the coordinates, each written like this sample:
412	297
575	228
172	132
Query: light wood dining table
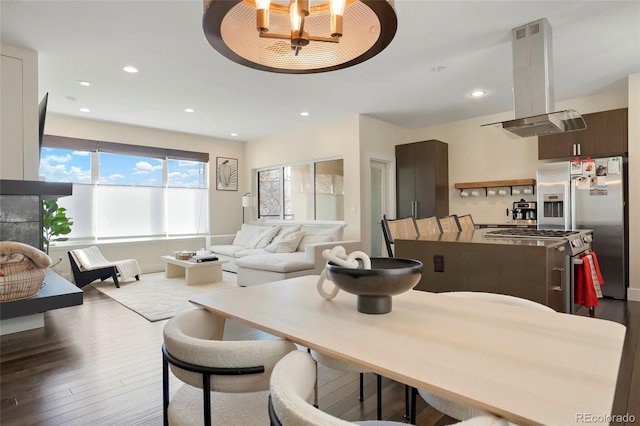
528	366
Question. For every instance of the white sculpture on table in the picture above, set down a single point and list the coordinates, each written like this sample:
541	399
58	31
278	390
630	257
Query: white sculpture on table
338	255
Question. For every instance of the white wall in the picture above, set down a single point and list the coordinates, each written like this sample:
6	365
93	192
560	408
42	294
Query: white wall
225	215
19	140
634	188
483	154
377	142
326	140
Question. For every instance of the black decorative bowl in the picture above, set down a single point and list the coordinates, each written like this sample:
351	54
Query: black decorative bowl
374	287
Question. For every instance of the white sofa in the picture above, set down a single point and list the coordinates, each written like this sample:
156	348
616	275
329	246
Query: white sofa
266	252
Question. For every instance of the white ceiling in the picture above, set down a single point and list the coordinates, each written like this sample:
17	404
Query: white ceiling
596	46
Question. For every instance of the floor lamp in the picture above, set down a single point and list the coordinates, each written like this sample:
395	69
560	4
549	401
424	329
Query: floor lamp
247	201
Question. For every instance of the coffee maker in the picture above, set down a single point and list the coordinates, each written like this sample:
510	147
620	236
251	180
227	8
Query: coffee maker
524	212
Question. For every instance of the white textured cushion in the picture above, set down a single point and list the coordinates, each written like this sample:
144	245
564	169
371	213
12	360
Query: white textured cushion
292	389
335	232
188	337
249	252
276	262
227	250
286	243
246	234
450	408
287	229
311	239
264	238
229	409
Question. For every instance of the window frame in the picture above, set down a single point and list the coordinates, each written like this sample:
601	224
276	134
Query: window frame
312	183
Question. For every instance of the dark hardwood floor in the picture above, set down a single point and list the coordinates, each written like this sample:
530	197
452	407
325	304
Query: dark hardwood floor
100	364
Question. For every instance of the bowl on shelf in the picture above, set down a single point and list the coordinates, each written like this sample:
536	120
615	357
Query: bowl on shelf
374	287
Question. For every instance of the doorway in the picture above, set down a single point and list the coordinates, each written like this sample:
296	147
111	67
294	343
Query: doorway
379	199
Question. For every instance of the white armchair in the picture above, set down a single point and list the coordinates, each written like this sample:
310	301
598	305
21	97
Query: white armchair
226	380
292	389
87	265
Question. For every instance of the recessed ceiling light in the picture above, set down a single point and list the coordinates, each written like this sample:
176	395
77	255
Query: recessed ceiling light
438	68
189	110
84	83
234	134
478	93
304	114
85	110
130	69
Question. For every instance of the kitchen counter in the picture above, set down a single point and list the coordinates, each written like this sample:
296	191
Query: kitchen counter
506	225
477	236
469	261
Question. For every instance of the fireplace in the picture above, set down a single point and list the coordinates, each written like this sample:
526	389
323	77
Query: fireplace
21	209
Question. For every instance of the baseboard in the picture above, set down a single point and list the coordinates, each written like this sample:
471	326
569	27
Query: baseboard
633	294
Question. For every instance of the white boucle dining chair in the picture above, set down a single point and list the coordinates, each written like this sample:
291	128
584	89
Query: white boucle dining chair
227	381
292	391
337	364
450	408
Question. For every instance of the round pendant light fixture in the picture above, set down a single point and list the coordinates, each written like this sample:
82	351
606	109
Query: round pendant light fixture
299	36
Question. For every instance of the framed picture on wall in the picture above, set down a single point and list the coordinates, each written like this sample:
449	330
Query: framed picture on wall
226	174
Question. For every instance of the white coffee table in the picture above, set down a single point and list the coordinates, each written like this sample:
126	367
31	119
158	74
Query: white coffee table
193	273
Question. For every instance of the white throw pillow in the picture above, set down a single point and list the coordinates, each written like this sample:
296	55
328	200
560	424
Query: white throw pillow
310	239
264	238
245	235
285	243
243	238
288	229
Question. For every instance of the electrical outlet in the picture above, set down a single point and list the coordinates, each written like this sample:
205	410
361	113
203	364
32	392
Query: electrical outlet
438	263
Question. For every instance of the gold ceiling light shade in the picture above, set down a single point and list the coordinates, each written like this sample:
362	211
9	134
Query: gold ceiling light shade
299	36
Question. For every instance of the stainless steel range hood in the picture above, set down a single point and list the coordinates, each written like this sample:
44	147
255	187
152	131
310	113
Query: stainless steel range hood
533	85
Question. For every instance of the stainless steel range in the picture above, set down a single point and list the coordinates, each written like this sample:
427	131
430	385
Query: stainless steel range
576	243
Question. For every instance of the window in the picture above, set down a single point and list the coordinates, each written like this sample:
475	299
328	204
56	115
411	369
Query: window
186	174
329	180
307	191
131	191
270	194
65	165
129	170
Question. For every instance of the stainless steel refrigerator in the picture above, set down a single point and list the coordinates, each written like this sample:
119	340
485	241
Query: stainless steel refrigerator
590	194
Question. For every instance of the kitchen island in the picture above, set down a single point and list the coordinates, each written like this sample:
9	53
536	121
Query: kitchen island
530	268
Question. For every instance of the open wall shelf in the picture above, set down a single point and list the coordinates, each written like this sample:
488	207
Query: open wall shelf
508	183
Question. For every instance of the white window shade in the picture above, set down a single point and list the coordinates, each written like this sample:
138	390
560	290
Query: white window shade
80	211
187	211
138	211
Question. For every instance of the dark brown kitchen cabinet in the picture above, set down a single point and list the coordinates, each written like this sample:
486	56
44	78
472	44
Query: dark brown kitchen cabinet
422	179
606	134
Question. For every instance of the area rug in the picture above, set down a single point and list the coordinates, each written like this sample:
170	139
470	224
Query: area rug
155	297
